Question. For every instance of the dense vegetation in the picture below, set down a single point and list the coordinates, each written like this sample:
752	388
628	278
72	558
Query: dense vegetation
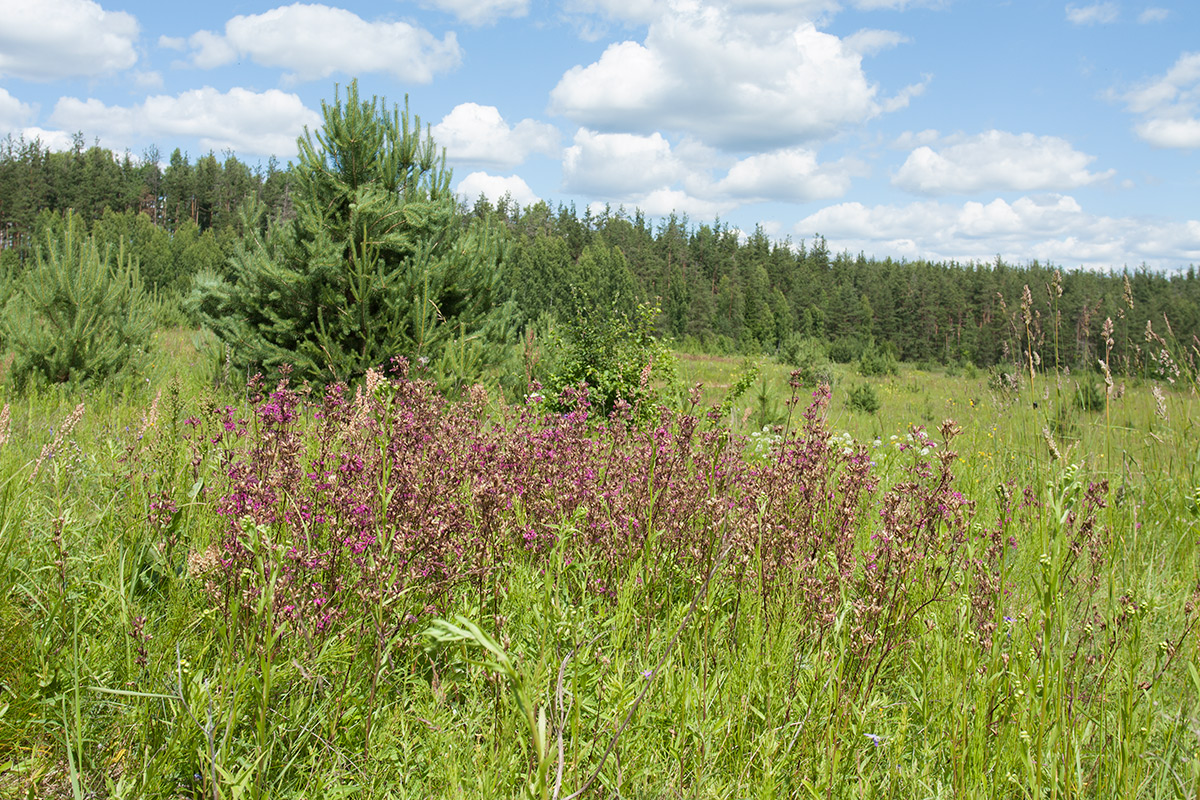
486	534
382	593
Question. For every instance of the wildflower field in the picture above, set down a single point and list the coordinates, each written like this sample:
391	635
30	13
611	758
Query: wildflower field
986	588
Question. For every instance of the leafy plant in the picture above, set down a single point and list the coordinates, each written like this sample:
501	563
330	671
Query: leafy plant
616	357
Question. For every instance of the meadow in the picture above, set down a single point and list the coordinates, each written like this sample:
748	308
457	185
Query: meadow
983	589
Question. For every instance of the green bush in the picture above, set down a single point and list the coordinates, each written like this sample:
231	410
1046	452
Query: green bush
617	358
846	349
876	361
76	316
809	356
862	397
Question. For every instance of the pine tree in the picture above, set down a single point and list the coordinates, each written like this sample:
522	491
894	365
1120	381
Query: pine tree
79	315
378	261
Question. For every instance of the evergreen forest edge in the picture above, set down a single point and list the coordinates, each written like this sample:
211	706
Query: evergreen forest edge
718	290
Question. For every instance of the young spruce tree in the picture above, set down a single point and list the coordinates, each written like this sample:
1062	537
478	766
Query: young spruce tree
378	261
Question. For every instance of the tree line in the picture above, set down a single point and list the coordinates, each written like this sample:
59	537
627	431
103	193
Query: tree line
203	224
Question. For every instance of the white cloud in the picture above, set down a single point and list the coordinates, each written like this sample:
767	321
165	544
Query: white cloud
869	41
210	50
996	160
58	141
481	12
495	187
1051	228
1182	133
479	135
1095	14
662	202
648	172
647	11
1153	15
792	174
910	139
52	39
177	43
315	41
725	78
148	79
13	113
1169	106
615	166
259	123
896	5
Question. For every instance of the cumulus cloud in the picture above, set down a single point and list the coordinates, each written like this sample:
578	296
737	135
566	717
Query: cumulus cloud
997	160
1050	228
495	187
648	172
1153	15
791	174
481	12
1094	14
58	141
1169	106
13	113
44	40
259	123
479	135
641	13
314	41
730	82
618	165
663	202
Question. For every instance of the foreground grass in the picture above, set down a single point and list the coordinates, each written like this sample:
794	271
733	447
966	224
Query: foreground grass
643	618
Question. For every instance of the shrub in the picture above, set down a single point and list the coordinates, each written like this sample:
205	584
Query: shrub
809	356
846	349
862	397
876	361
615	356
76	316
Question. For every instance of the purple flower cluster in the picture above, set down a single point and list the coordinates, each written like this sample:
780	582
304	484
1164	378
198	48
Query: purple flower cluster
396	497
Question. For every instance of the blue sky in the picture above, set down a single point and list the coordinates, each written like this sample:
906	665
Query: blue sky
943	129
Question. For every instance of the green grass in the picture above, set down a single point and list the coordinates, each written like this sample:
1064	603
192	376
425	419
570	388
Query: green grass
674	686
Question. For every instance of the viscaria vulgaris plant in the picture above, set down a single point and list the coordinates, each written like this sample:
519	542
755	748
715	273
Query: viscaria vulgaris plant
392	497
